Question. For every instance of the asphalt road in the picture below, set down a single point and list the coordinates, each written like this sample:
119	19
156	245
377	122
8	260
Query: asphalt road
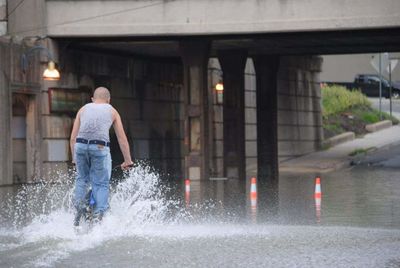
388	157
386	105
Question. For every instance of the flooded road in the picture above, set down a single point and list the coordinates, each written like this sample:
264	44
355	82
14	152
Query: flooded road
357	224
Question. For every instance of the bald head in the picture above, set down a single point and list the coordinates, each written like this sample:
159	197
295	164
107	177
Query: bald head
101	94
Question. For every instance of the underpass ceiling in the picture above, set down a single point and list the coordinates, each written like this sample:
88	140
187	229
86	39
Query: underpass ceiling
313	43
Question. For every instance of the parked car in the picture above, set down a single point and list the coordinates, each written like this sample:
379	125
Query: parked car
369	85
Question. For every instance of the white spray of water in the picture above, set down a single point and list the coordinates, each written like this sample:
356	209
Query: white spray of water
43	213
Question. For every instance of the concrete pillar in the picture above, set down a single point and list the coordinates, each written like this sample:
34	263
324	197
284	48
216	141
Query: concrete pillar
5	126
196	123
267	128
3	17
233	64
33	139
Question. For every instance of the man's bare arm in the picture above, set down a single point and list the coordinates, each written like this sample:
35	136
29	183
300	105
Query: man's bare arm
74	133
122	140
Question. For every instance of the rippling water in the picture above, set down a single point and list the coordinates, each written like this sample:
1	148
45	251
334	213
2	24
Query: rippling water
151	225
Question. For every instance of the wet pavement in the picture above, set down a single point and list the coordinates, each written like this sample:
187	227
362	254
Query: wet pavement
357	224
387	157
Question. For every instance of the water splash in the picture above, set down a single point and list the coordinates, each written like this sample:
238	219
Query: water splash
43	213
37	200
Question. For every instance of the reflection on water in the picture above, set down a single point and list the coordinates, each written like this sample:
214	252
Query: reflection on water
354	197
349	218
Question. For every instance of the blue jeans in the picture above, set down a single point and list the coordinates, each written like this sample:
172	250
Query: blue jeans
93	165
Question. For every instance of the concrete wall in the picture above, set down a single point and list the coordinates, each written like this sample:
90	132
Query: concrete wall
27	18
3	17
299	106
299	110
153	17
343	68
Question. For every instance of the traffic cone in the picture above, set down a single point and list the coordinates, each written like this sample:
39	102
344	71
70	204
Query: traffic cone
318	193
253	193
318	199
187	192
253	199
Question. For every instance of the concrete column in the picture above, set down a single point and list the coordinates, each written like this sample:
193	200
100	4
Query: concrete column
33	139
3	17
5	126
267	128
196	123
233	64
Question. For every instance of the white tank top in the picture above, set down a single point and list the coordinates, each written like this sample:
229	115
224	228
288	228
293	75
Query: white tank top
96	120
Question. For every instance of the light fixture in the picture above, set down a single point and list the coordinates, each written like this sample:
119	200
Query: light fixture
51	73
216	75
219	88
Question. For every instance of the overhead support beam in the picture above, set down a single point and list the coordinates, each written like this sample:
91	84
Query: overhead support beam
233	63
267	127
196	122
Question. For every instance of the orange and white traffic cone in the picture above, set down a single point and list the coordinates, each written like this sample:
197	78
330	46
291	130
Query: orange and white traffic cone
253	193
187	192
318	199
253	198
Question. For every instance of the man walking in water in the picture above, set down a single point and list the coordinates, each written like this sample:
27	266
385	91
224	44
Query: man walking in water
90	147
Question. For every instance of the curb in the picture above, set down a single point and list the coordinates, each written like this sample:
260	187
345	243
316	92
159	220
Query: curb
378	126
321	166
341	138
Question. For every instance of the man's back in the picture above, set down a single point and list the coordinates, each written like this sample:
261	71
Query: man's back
96	120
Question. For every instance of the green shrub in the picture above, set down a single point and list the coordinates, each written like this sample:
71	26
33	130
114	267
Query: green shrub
359	151
337	99
370	117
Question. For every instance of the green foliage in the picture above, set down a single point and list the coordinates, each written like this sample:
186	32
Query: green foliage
361	151
337	99
334	128
370	116
348	110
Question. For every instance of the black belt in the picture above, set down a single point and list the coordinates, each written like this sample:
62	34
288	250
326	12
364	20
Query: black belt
85	141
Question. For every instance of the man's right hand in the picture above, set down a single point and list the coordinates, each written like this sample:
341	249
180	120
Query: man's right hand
127	164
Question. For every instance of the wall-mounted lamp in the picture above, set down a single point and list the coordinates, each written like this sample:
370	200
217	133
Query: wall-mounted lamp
219	88
216	75
51	73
